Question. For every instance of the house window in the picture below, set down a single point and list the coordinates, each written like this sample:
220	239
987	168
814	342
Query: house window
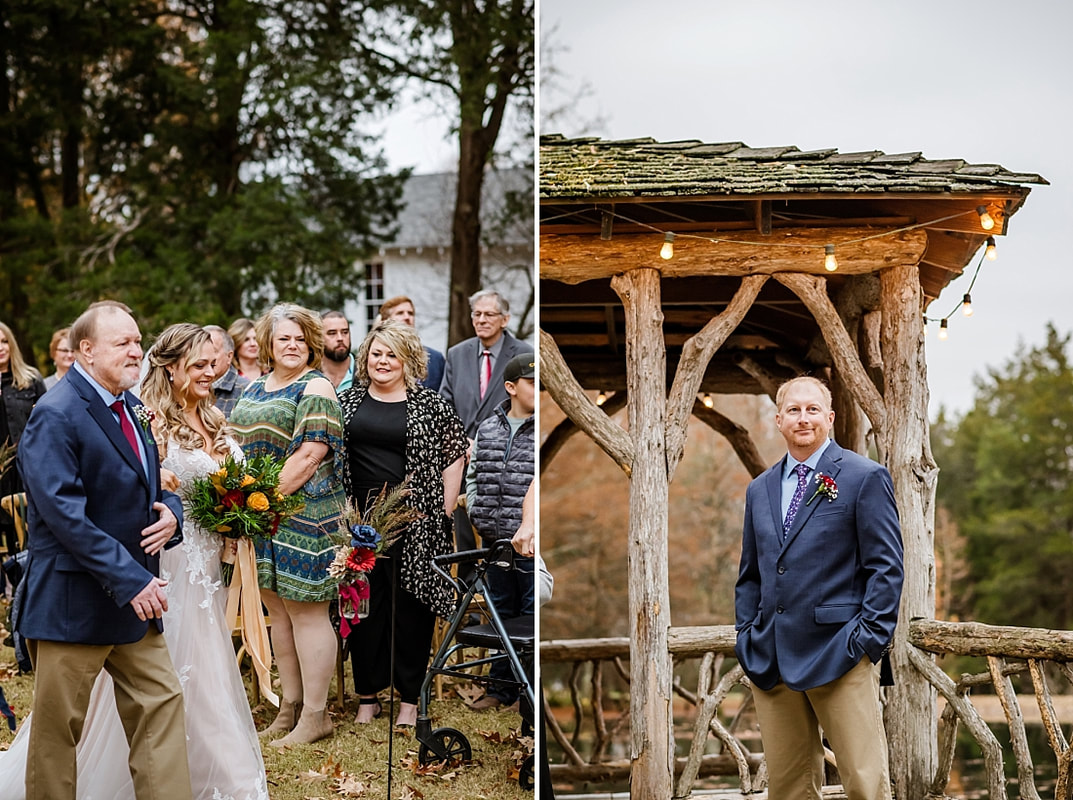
374	293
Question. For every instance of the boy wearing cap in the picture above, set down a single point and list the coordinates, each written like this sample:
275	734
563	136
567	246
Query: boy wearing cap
499	474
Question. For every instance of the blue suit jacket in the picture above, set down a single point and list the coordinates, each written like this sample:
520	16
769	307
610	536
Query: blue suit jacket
89	500
808	609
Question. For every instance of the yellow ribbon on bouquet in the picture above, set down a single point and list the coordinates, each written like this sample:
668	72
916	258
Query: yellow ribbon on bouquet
244	596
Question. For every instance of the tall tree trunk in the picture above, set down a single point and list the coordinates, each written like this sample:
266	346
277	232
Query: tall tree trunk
911	719
68	34
466	229
651	697
486	80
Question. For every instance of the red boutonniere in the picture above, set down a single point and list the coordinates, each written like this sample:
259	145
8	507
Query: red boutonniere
825	486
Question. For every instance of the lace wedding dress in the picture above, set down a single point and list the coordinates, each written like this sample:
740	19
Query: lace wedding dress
222	746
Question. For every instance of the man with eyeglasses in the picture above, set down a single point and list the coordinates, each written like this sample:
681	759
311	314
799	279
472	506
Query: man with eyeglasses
473	379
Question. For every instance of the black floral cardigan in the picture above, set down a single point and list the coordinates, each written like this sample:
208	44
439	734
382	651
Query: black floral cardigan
435	439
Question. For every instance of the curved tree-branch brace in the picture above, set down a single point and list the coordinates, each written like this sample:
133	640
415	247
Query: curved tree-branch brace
812	291
696	353
567	392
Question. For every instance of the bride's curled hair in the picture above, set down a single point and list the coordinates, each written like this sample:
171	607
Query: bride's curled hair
179	346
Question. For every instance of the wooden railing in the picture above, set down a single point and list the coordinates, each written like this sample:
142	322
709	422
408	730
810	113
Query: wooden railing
1009	651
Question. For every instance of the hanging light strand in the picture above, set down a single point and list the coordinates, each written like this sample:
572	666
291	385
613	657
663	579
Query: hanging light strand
966	301
667	248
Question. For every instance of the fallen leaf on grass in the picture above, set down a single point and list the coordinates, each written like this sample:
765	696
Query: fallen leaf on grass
410	793
311	776
350	786
469	692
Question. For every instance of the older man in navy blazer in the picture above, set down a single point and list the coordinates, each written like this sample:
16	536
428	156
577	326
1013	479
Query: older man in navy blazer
817	601
94	599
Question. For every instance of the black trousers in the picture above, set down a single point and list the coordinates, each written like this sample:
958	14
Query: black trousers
370	641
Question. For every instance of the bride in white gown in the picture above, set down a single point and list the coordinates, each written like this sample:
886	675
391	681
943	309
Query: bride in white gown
222	745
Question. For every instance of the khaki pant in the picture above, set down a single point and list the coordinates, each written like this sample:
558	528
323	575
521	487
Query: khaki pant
849	712
150	704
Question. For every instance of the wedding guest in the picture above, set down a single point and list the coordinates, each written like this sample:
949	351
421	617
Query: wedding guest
338	366
20	388
292	413
62	355
248	359
401	308
229	386
397	429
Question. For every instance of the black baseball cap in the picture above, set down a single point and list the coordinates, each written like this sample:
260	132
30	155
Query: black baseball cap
523	366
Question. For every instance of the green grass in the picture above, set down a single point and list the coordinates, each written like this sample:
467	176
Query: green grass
354	761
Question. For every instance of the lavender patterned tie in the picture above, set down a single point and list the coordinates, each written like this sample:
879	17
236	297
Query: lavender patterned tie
795	502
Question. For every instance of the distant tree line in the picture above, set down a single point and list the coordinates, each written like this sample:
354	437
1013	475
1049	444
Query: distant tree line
199	159
1006	485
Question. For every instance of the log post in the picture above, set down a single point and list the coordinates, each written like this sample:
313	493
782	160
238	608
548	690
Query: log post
651	671
911	717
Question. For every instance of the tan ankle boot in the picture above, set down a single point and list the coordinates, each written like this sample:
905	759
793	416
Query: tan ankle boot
312	727
285	720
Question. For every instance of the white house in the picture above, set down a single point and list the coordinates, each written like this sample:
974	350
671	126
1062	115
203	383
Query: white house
418	263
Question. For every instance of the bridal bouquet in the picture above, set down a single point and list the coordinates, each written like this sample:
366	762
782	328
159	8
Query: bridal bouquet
241	499
360	540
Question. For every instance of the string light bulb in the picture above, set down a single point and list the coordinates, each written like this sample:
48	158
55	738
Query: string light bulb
830	263
667	251
992	251
942	330
987	222
601	398
707	400
966	305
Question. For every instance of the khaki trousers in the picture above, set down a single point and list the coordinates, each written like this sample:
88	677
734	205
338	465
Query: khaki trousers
849	712
150	704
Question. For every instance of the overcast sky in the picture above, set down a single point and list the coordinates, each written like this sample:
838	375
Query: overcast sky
987	82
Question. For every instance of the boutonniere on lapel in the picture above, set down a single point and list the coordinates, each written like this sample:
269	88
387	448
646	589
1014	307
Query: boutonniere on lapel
825	486
145	416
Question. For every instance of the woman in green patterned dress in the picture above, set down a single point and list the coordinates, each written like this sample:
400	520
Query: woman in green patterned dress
292	413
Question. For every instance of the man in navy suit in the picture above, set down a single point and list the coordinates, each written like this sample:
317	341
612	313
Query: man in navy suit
98	519
817	601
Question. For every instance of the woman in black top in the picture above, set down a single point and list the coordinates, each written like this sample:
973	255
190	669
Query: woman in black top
20	387
394	429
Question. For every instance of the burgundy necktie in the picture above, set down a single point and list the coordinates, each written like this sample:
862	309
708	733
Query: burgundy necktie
128	429
795	502
486	371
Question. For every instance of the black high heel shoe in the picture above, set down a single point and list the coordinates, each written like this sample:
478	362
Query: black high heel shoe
370	701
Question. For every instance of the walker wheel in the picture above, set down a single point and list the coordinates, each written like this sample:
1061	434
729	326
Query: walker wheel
452	743
525	774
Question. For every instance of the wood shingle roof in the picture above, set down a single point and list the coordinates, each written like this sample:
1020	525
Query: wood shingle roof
594	168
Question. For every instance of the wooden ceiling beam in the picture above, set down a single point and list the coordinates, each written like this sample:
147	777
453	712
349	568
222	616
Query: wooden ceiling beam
714	226
574	259
951	250
762	216
602	340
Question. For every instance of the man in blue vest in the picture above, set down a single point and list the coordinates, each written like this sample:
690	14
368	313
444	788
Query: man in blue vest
498	477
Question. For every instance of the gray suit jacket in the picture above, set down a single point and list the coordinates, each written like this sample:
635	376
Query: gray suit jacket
462	384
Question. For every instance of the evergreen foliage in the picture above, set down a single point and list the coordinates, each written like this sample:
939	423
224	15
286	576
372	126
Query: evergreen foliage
196	160
1007	479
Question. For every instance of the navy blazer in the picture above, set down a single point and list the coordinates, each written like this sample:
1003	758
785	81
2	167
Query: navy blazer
462	383
89	499
810	608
